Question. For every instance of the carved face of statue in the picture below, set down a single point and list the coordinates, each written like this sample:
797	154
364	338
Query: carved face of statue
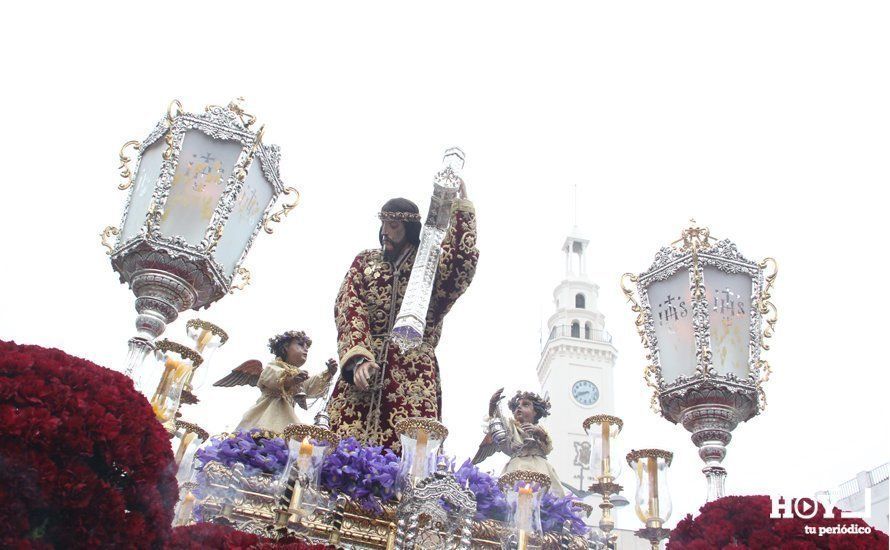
296	353
394	239
524	413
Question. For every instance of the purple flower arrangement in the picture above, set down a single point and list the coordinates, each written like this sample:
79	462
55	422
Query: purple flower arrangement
368	475
257	454
490	501
557	510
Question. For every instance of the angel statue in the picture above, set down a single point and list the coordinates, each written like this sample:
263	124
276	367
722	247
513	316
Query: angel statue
281	383
521	438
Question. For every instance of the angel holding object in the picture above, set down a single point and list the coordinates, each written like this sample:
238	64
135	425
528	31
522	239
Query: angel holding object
281	382
521	437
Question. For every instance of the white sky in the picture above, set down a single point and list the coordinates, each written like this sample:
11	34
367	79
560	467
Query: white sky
766	121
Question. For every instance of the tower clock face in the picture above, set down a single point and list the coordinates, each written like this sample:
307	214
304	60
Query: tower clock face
585	392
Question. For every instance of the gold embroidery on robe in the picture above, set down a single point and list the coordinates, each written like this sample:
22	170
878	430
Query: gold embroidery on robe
365	311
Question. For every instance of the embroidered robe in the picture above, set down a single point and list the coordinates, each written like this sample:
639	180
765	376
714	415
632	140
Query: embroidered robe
365	312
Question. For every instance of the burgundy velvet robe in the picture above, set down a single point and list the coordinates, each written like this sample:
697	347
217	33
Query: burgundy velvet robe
365	311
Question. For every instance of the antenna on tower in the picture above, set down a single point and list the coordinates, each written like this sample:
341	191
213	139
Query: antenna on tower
575	223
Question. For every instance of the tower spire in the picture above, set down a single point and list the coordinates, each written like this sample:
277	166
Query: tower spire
575	218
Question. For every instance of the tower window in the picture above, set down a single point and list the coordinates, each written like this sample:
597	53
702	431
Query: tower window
579	301
576	329
588	331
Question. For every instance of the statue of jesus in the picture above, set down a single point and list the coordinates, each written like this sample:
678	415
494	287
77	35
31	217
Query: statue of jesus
379	385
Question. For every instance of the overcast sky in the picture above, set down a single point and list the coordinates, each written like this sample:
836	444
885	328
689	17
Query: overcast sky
766	121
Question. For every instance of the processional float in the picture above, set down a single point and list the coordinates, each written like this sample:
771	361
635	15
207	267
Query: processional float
201	189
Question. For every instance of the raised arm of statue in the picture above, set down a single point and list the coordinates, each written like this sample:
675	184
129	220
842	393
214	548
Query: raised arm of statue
457	263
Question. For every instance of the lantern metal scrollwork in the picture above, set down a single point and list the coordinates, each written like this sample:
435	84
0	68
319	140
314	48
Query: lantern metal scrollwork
202	187
703	315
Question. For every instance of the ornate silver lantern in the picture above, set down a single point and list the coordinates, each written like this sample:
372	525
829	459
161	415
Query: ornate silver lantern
202	188
704	315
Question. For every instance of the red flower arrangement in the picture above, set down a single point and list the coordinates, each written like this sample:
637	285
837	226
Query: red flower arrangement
83	462
212	535
741	522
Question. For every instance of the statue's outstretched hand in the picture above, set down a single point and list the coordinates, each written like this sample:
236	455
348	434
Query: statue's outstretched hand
332	366
493	402
293	382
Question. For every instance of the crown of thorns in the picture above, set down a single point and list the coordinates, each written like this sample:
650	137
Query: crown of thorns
541	405
276	342
399	217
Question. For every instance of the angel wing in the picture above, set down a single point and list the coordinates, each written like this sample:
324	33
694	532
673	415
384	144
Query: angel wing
486	449
247	373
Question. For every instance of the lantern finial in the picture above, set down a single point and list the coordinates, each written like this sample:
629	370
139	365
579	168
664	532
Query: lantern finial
237	107
694	237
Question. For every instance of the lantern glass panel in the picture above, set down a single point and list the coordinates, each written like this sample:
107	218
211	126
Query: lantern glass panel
186	445
729	306
606	453
143	187
525	501
247	213
206	343
177	370
671	304
418	457
202	172
652	500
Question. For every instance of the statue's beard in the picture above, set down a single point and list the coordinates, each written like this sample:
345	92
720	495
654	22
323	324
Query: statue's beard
391	250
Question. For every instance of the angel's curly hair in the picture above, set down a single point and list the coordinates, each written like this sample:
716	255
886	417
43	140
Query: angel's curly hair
278	344
541	405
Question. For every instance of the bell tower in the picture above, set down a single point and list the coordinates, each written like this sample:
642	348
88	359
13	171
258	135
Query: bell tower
576	366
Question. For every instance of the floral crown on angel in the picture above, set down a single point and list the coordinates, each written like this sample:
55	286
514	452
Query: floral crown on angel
541	405
276	343
398	217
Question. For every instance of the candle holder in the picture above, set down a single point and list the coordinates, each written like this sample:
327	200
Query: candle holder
421	439
603	430
298	492
175	366
524	490
185	509
187	438
206	338
652	501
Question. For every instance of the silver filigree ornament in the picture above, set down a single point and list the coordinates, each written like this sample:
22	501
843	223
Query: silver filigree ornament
705	395
451	528
222	207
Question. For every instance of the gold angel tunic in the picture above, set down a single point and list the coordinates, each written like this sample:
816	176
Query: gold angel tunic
274	410
528	455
